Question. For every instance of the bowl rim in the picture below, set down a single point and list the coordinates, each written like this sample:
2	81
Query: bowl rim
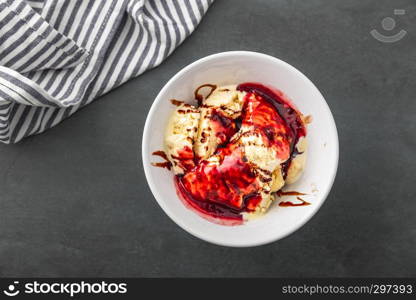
177	220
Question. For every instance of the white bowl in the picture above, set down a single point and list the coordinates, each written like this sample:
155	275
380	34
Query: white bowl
322	162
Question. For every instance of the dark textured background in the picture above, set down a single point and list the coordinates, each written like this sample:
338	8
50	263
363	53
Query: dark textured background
74	201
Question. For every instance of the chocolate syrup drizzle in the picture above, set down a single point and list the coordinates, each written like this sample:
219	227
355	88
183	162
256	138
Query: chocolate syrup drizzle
166	164
200	97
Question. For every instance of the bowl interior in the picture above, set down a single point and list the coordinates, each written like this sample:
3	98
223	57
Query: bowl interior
322	160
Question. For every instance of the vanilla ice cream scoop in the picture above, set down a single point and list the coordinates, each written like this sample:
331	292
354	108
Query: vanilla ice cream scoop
228	99
180	136
216	124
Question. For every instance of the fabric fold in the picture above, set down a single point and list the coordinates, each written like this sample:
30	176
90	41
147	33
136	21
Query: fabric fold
29	43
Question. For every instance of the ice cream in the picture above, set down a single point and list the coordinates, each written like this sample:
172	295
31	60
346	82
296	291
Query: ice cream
234	150
216	124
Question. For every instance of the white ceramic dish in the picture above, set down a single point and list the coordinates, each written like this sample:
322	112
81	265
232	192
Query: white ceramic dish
237	67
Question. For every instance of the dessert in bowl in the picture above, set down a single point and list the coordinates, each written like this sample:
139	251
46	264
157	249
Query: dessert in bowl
234	150
237	149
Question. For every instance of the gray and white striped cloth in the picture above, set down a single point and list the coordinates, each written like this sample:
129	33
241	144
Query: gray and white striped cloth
58	55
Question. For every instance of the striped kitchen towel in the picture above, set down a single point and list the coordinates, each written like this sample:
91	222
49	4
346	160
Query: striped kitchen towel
58	55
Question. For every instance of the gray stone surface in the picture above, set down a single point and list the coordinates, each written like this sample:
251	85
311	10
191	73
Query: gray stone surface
74	201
